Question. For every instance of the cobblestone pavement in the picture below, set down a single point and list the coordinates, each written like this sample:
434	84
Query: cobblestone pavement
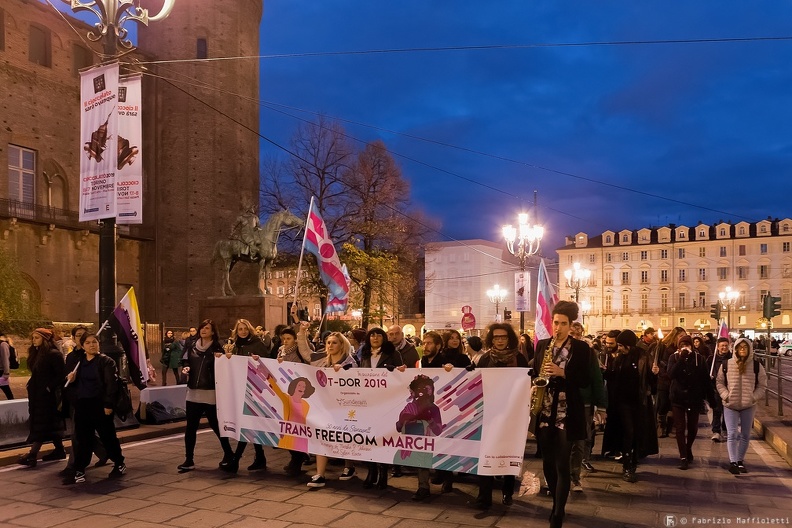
153	493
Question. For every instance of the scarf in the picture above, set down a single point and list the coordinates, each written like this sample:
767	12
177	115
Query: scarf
291	350
199	348
504	357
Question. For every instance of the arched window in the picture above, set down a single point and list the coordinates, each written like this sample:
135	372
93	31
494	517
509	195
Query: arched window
608	239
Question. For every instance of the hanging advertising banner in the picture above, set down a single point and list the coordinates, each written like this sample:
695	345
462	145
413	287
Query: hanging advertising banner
430	418
98	141
522	291
129	178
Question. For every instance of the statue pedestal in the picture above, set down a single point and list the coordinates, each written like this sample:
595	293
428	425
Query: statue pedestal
266	310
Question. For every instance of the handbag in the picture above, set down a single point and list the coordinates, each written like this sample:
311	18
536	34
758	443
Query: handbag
123	403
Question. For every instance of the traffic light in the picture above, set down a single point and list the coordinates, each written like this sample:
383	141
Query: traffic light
506	315
771	306
715	312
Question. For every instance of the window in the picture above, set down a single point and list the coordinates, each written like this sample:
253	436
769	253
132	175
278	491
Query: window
281	290
608	239
702	234
740	250
722	231
625	277
607	304
723	251
682	275
702	298
682	322
743	299
723	273
607	257
702	252
786	271
681	252
40	46
681	301
785	229
625	302
763	249
742	230
644	255
645	277
2	30
452	257
702	274
625	238
82	57
644	302
681	234
764	271
21	174
664	275
317	311
785	247
664	300
202	49
764	228
742	272
592	258
608	278
663	253
625	257
762	296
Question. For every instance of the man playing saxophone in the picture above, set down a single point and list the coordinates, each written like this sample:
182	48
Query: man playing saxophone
561	419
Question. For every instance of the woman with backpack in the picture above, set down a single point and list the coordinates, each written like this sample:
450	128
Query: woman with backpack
93	391
741	383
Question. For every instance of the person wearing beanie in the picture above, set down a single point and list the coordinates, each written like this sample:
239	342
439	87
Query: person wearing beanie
715	364
561	420
473	349
690	384
633	380
741	383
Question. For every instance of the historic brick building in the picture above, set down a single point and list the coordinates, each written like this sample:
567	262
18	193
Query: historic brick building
200	157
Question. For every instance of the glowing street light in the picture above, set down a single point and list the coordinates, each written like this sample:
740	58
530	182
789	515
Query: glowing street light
577	278
496	296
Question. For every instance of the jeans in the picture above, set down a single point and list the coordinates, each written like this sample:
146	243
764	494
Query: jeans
739	425
581	449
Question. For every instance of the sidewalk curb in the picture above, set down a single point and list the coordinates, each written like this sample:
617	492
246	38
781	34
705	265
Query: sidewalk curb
773	431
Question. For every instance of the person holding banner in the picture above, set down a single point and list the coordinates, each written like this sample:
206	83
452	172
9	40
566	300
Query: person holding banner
502	346
93	391
245	342
562	418
378	352
337	356
198	366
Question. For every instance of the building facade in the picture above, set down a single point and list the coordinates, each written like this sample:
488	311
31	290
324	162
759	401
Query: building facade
200	157
459	273
669	276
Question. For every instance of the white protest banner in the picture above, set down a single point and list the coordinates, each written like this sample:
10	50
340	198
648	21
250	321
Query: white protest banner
468	421
129	178
99	140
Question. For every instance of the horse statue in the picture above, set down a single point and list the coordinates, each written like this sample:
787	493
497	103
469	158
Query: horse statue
258	247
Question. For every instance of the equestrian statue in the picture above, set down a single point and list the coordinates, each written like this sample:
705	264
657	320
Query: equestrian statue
250	243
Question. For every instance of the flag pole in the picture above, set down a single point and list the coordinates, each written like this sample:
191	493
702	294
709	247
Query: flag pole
302	251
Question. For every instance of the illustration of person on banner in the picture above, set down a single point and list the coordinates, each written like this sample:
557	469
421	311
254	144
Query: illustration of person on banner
295	409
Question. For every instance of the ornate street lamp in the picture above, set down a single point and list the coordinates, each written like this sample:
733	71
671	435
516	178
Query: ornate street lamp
585	307
523	242
577	278
112	15
496	296
728	299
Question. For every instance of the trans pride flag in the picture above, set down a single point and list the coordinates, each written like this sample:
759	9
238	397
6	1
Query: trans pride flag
125	321
546	299
334	275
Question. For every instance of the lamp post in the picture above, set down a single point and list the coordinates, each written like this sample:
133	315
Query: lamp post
523	242
112	15
728	298
577	278
496	296
585	307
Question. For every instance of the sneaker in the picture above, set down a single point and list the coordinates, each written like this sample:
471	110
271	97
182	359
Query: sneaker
716	437
684	464
741	467
187	465
588	467
317	481
733	469
78	478
628	475
576	486
347	473
118	470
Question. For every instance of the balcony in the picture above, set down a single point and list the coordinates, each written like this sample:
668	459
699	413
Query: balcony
65	219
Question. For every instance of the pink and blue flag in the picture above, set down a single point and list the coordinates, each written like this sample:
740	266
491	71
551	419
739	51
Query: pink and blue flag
546	299
333	274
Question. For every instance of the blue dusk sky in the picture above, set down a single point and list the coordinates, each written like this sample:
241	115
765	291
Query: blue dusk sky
611	135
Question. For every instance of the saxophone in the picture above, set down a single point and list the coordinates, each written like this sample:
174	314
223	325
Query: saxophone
540	383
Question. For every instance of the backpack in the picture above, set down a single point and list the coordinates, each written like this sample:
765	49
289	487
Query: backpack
756	363
13	362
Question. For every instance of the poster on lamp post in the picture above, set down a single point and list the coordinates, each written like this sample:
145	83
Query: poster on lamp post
522	291
129	178
98	142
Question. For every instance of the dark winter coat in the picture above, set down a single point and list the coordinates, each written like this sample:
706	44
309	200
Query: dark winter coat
690	381
107	376
250	346
201	375
391	357
47	376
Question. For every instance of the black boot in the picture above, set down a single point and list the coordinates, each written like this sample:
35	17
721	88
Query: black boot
371	477
382	482
662	420
260	461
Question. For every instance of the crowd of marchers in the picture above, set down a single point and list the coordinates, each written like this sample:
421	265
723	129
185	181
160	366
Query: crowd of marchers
635	389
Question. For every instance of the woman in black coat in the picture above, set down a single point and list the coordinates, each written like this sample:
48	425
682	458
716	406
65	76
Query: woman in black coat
378	352
47	375
93	390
